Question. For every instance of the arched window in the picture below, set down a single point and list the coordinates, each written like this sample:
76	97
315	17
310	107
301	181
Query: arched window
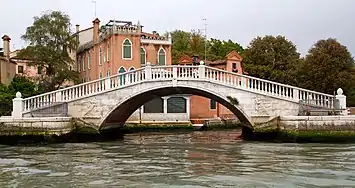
122	78
127	49
132	77
143	56
161	57
154	106
100	56
176	105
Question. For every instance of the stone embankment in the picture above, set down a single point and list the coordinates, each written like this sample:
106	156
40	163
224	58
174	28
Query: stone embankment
286	128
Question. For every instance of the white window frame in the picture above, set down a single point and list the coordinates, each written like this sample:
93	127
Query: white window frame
100	56
161	48
145	55
123	49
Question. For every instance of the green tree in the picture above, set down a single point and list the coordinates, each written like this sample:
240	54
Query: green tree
272	58
50	38
181	44
18	84
6	97
327	67
219	49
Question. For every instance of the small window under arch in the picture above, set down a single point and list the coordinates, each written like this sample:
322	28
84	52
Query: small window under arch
154	106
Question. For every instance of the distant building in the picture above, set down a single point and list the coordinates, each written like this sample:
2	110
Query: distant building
201	107
7	66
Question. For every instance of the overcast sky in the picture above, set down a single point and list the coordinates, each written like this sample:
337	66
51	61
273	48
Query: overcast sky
301	21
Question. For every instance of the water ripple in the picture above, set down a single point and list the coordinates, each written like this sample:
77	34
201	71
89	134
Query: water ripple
200	159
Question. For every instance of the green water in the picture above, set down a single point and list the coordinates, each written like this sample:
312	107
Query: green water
196	159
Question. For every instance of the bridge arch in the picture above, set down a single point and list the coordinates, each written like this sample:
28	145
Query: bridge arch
119	114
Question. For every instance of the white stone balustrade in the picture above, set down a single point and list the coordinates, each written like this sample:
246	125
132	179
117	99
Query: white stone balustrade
175	73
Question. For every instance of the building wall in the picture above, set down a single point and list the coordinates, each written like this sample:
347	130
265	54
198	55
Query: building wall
7	70
112	57
201	106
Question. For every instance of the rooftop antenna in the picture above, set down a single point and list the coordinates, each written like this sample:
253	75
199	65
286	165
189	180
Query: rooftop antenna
205	21
94	3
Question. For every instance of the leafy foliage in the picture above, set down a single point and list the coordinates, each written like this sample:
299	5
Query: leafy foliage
327	67
50	39
7	93
193	43
272	58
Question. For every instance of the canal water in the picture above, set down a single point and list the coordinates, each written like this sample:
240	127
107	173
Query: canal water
197	159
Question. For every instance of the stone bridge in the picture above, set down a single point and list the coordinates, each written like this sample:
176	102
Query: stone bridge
109	102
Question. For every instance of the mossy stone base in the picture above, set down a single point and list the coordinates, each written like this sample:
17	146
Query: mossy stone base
312	136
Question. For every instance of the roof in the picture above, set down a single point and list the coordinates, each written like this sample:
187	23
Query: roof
234	54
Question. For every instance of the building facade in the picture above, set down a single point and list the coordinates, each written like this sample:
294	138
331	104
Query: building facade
203	108
121	46
7	66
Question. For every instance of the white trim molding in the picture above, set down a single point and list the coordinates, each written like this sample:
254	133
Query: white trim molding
123	49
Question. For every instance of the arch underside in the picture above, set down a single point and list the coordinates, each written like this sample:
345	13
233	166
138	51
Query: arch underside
123	111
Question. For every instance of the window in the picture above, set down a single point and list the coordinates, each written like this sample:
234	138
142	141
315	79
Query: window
234	68
20	69
143	56
78	61
234	65
83	63
100	56
89	60
122	78
127	49
161	57
100	76
213	104
154	106
108	52
108	73
176	105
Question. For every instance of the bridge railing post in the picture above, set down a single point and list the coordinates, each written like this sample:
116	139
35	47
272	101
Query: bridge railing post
148	71
296	94
17	106
175	72
342	101
107	83
201	70
58	96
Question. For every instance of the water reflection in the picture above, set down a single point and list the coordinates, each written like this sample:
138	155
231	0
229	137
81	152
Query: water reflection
198	159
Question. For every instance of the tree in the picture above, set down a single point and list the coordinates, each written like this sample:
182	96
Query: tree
181	44
18	84
50	38
219	49
327	67
272	58
193	43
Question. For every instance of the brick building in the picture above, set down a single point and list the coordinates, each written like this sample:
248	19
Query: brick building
204	108
7	66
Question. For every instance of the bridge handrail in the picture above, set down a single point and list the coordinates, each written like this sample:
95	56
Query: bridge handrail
82	84
179	72
271	82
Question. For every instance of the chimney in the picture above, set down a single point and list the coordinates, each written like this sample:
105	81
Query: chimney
96	23
77	28
6	39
